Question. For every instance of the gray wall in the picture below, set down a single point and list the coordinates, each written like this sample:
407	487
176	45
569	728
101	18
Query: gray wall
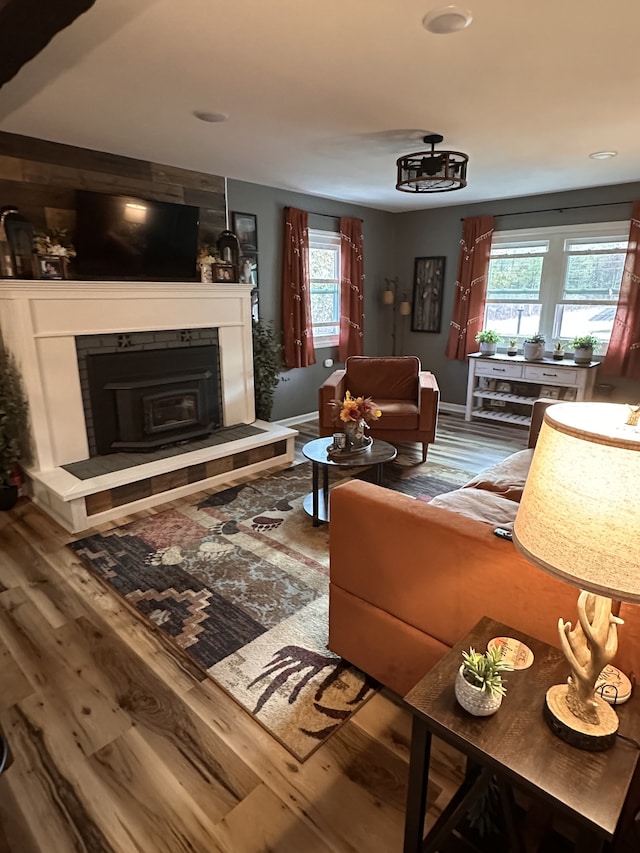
392	242
438	232
298	393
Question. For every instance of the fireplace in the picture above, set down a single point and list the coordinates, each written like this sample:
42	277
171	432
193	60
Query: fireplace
45	324
143	400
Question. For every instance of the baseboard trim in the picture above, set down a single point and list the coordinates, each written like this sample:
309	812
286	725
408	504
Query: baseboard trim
454	408
296	419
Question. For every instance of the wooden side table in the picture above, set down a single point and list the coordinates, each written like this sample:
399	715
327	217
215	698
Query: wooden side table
516	746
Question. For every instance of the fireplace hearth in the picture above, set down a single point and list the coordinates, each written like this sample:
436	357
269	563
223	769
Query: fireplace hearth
143	400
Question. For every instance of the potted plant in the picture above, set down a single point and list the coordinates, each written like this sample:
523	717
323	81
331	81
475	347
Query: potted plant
583	347
267	353
533	347
13	429
558	351
512	349
479	687
488	340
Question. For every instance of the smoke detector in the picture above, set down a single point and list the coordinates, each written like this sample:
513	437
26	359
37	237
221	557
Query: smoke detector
447	19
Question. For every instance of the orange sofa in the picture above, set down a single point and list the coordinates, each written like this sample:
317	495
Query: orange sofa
409	578
407	396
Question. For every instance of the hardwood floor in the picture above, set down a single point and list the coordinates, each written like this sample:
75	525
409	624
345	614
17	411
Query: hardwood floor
118	745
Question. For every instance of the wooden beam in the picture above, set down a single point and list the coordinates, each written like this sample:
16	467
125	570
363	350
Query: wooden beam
27	26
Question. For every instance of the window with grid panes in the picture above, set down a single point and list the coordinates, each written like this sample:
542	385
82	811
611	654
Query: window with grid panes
560	282
324	275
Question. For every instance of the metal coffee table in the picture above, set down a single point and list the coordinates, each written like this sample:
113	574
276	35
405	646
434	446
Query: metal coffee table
316	503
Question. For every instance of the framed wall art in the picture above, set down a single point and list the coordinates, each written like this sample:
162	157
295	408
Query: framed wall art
426	308
245	227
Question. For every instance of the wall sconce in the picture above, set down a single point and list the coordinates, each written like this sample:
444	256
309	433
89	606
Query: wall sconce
399	301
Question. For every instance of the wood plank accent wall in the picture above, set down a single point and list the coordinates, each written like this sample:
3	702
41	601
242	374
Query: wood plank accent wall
41	177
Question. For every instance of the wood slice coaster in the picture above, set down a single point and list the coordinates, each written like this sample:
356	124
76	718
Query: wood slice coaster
613	685
573	730
513	652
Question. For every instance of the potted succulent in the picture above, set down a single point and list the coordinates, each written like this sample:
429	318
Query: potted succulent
583	347
488	340
479	687
533	347
512	349
13	429
558	352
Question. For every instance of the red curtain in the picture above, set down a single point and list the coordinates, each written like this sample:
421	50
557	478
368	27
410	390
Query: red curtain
623	353
471	286
351	288
296	299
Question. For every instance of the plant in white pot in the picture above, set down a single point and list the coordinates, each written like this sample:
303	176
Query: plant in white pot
488	340
479	687
583	347
533	347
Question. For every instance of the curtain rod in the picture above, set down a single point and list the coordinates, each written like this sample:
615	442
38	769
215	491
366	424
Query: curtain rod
559	209
328	215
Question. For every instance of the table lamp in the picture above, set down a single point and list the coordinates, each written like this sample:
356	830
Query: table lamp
579	520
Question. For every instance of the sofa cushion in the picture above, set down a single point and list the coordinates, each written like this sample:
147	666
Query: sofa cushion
507	478
484	506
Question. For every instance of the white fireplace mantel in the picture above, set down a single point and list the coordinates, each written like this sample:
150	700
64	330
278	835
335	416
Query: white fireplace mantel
40	321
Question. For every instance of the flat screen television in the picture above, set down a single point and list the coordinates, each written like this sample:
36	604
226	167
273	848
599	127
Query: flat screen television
122	237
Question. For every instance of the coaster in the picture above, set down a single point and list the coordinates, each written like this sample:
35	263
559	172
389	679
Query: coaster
613	685
513	652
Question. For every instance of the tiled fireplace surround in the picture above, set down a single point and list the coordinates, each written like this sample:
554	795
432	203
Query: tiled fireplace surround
40	323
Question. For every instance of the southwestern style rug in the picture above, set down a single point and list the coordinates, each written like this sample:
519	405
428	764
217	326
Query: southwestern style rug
239	581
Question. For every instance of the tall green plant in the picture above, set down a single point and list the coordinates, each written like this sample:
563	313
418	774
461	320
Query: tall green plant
267	364
14	444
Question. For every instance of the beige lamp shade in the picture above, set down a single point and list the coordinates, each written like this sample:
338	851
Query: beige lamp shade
405	308
579	517
388	297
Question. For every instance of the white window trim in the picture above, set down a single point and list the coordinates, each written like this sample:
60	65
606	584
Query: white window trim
326	240
554	267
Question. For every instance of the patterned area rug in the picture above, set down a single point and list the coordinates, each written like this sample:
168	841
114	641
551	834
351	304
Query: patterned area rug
239	580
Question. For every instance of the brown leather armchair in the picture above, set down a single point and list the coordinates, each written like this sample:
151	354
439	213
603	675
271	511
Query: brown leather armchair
407	396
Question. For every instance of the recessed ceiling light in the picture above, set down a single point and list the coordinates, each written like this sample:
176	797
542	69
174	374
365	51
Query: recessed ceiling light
210	117
447	19
603	155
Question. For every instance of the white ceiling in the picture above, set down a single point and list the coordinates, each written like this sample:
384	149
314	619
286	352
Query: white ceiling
323	97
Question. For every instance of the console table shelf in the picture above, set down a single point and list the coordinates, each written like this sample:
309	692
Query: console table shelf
506	417
504	388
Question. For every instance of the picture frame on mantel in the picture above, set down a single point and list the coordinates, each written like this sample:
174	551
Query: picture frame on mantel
52	267
426	306
245	227
223	273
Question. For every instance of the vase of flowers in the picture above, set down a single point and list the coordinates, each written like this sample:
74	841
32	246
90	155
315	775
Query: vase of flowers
356	414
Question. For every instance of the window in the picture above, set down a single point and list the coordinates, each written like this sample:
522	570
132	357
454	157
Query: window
324	274
561	282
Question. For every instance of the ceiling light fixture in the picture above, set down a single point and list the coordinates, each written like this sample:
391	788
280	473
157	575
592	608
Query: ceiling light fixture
603	155
447	19
212	118
432	171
